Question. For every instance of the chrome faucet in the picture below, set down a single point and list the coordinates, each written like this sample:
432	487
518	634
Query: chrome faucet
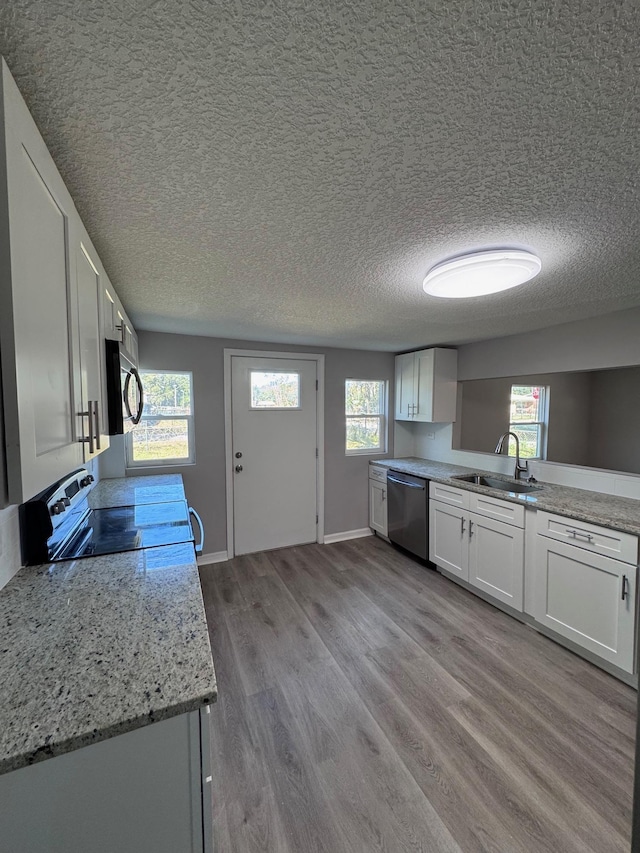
520	468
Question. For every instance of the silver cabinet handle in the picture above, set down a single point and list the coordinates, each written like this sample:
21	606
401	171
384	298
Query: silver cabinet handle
625	587
579	534
470	528
200	544
89	416
97	424
462	521
384	494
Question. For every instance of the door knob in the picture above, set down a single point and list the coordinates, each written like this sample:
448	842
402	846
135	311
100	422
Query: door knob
238	455
238	469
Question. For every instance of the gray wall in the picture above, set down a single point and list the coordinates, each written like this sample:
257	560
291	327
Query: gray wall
614	435
484	414
608	341
346	488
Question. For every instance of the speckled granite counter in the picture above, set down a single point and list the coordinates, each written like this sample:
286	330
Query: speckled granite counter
97	647
127	491
606	510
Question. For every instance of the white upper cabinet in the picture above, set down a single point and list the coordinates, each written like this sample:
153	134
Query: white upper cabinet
35	292
426	386
91	414
51	337
116	325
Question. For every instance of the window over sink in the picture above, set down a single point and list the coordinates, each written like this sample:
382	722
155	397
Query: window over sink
165	434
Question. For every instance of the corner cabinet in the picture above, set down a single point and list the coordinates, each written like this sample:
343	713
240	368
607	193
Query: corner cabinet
586	586
378	499
51	329
426	386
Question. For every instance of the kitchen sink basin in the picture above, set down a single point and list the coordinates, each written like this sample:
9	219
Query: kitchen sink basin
496	483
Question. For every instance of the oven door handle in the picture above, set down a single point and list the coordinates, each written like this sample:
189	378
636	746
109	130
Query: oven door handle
200	544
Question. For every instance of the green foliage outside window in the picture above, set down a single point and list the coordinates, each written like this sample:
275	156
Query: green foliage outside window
364	410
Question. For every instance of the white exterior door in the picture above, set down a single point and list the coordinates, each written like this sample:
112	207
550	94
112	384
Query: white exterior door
274	447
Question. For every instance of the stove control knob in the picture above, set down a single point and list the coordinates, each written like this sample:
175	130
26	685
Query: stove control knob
58	507
66	501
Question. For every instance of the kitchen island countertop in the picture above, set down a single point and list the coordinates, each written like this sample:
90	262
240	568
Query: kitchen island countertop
592	507
96	647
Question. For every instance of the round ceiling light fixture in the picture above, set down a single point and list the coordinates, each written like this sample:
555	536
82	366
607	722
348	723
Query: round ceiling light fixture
479	273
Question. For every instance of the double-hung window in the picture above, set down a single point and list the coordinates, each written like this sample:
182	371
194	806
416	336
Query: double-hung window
164	435
527	418
366	416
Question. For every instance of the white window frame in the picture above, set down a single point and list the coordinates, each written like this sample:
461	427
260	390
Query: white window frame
165	463
382	416
542	423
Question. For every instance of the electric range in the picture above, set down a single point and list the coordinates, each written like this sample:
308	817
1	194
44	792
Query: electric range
58	524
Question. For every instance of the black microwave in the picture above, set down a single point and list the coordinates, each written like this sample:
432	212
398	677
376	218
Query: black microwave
125	395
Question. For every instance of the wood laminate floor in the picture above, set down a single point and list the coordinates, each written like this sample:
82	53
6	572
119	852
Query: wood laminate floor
367	703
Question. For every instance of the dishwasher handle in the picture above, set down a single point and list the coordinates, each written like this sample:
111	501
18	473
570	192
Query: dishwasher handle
404	483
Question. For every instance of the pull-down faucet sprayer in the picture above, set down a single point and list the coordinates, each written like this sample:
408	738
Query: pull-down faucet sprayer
520	468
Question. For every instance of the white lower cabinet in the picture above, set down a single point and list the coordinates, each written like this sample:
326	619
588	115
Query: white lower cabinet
496	559
448	538
479	549
143	791
588	598
378	500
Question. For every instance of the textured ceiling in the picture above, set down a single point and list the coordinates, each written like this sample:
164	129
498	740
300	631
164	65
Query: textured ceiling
288	171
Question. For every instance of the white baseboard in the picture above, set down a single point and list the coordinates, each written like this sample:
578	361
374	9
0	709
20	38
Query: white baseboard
216	557
330	538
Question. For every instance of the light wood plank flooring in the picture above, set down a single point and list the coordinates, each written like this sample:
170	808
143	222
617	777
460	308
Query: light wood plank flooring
367	703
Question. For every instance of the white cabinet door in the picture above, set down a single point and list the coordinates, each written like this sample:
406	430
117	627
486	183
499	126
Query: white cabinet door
587	598
496	559
109	311
448	543
426	386
139	791
405	387
424	375
378	506
35	323
91	414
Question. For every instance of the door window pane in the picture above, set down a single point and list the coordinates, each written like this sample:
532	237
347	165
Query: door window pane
275	390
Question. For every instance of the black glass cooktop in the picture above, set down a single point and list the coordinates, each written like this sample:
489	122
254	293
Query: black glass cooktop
128	528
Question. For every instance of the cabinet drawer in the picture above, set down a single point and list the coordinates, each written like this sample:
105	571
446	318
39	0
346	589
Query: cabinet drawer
511	513
449	495
376	473
600	540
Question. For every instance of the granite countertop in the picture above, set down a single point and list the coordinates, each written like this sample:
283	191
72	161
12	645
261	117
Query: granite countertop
593	507
130	491
97	647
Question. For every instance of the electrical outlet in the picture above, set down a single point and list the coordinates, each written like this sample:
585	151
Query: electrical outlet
431	435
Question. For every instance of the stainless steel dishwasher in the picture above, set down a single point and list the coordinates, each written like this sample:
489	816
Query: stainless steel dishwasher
408	512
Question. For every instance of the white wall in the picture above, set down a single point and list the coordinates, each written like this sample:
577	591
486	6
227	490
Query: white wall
612	340
346	486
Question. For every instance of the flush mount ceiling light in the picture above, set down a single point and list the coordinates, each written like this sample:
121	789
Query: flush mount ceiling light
479	273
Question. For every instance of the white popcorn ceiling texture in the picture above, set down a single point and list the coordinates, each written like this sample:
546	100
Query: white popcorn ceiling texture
289	171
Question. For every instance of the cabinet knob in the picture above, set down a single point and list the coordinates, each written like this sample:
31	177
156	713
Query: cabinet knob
238	469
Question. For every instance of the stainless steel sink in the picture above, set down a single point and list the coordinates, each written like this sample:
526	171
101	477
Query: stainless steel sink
496	483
